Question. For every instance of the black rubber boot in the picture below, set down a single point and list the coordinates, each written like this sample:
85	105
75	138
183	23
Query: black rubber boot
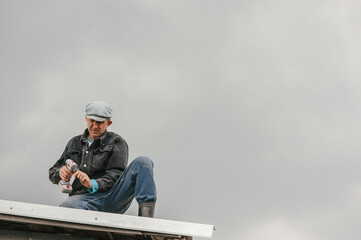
146	209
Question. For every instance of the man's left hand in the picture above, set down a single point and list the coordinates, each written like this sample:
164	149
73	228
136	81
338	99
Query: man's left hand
84	179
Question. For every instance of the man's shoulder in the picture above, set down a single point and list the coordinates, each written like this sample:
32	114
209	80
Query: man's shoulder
80	136
75	139
116	139
115	136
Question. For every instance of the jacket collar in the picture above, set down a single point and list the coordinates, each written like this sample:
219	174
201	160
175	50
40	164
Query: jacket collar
101	138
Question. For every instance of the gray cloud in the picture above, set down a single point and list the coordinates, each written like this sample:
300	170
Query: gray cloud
249	110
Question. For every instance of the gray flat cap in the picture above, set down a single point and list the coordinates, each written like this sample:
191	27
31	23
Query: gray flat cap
99	111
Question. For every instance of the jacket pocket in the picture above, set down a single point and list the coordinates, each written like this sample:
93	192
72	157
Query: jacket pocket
74	155
101	156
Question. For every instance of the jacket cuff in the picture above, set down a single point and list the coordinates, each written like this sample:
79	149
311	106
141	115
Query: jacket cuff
95	187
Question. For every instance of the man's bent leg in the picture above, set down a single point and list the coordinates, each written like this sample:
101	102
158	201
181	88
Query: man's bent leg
136	181
94	202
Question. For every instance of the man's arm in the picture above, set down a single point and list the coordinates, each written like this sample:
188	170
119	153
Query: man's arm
54	171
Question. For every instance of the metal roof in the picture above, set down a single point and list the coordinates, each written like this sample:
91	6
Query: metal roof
28	216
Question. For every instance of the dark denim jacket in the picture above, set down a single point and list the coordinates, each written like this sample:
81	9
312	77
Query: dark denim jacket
104	161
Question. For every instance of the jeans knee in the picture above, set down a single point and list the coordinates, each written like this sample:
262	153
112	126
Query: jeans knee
68	203
73	202
144	161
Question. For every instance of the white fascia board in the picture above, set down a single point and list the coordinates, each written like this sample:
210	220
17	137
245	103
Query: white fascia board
103	219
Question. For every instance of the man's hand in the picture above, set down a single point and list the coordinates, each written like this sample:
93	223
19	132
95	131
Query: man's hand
84	179
65	174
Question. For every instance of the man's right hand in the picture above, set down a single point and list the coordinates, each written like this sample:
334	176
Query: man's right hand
65	174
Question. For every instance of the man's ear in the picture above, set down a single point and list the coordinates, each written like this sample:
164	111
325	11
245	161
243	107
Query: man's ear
86	119
110	122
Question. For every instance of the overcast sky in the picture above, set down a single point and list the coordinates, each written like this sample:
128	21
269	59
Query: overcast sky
249	109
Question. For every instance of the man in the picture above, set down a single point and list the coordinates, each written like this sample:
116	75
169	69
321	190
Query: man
104	182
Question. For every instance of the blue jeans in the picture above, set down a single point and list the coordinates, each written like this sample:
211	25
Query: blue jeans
136	181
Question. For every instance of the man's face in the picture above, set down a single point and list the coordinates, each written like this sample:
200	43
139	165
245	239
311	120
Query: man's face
95	128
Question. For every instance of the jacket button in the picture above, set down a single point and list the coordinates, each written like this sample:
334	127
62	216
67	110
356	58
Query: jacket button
87	152
84	165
